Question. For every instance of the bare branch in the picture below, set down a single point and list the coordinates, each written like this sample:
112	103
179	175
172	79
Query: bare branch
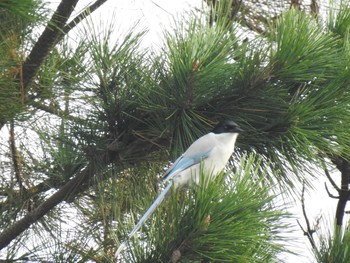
343	166
329	194
64	193
301	227
331	180
87	11
309	231
55	111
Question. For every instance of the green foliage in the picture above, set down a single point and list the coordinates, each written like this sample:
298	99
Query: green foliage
338	21
298	92
127	110
289	92
334	248
22	8
17	20
120	74
229	219
301	51
187	78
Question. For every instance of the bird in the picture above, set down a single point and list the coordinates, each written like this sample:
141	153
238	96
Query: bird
210	153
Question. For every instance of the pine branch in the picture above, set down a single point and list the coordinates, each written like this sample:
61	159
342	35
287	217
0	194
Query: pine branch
329	193
344	192
43	46
309	231
54	111
87	11
67	191
55	30
331	180
47	40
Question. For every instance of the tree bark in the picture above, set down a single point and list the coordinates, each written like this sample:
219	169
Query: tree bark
344	193
47	40
55	30
67	191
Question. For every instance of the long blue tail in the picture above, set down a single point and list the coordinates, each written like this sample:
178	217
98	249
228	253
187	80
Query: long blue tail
143	219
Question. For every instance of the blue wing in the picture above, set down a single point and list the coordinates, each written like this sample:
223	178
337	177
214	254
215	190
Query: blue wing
184	162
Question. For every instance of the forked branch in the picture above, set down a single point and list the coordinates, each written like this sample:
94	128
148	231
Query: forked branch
308	231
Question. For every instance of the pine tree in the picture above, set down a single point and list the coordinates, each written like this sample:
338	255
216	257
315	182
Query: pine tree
92	127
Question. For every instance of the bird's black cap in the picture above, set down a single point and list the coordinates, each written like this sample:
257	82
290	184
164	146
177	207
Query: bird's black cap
227	126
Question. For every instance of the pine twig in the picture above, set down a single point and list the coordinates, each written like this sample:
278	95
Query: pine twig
331	180
87	11
343	192
309	231
47	40
329	193
54	32
69	189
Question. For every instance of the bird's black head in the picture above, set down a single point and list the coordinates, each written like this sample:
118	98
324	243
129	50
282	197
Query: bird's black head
227	126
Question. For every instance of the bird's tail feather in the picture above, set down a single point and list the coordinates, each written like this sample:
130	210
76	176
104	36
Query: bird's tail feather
150	210
143	219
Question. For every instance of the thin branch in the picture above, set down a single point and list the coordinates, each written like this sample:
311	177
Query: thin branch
64	193
301	227
308	232
344	192
54	32
304	211
329	193
47	40
55	111
331	180
87	11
